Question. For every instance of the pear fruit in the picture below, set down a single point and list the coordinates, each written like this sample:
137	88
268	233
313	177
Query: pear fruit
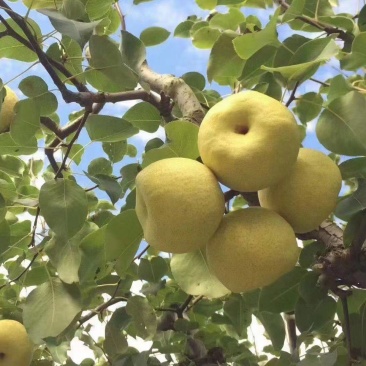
16	349
308	194
252	248
7	109
249	140
179	204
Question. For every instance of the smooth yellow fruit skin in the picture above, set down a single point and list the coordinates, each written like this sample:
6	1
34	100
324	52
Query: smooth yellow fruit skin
252	248
249	140
7	110
308	195
16	349
179	204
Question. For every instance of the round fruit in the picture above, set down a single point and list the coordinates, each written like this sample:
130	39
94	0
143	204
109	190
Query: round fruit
7	110
307	195
179	204
15	345
252	248
249	140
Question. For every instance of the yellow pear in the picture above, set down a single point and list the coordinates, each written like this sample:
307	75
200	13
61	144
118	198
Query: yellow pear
252	248
308	194
249	140
7	109
179	204
16	349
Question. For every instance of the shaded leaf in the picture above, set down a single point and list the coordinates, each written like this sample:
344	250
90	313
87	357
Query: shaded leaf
341	125
56	303
282	295
64	206
191	272
109	128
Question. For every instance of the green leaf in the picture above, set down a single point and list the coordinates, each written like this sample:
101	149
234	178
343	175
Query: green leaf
123	235
310	290
205	37
13	49
41	4
152	270
132	50
248	44
70	55
240	315
207	4
352	204
73	9
4	237
115	342
12	165
92	255
97	9
191	272
282	295
153	36
56	303
310	252
26	121
307	59
108	71
338	87
341	125
108	128
36	89
143	116
115	150
183	29
107	184
143	316
352	168
352	230
357	57
230	20
100	166
78	31
194	80
64	206
8	146
308	106
64	254
313	316
224	65
275	328
182	141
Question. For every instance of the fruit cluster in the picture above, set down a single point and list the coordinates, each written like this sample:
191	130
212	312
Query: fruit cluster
249	142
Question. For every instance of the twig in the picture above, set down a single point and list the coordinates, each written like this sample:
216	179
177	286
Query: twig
347	326
141	253
22	273
229	195
100	309
292	96
291	335
183	307
75	137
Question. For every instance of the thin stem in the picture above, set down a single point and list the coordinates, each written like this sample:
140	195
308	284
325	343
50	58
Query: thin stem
292	96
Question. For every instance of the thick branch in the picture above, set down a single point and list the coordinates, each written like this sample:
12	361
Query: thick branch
176	89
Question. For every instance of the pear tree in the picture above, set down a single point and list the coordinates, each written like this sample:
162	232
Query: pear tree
182	182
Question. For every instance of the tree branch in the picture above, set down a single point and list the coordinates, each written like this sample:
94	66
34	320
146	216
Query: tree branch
176	89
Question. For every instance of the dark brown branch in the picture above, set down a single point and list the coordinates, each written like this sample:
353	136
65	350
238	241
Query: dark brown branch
73	140
229	195
100	309
181	309
141	253
292	96
322	27
21	273
291	335
68	95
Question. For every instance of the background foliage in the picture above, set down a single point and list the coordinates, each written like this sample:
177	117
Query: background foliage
71	247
